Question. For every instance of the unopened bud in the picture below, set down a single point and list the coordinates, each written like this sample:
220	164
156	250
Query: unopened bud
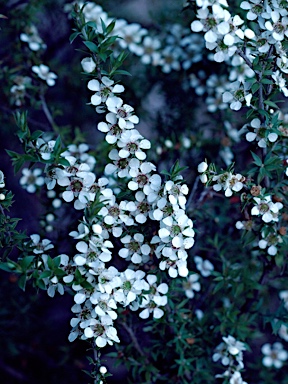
2	196
103	370
202	167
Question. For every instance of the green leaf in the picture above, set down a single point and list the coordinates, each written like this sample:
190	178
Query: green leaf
257	159
104	29
5	267
50	263
40	283
279	259
91	46
255	87
45	274
110	27
22	282
121	72
36	134
271	104
57	261
25	263
73	36
266	81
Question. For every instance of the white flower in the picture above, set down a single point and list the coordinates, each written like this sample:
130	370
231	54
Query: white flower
123	112
43	72
111	128
254	10
191	285
275	355
103	89
278	28
266	208
135	249
149	51
131	36
96	249
270	242
132	143
169	60
281	82
102	331
234	347
31	179
156	298
40	246
130	285
177	230
33	39
205	267
45	148
104	304
2	182
236	378
236	96
176	193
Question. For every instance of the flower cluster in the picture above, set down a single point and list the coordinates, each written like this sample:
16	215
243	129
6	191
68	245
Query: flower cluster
228	36
230	353
227	180
99	289
175	49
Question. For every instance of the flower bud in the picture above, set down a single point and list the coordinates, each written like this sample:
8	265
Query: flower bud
202	167
203	179
88	64
103	370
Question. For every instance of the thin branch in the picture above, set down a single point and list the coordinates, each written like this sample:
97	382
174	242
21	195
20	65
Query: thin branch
48	113
16	374
245	58
137	346
192	193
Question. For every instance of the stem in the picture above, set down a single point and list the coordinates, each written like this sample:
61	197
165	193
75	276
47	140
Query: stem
48	113
129	330
245	58
193	191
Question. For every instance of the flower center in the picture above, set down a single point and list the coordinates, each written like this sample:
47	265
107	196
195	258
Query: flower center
76	185
134	246
122	113
142	180
114	211
122	163
264	207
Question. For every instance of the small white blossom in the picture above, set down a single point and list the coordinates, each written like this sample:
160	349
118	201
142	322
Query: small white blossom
274	355
43	71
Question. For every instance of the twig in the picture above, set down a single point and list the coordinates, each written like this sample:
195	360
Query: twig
193	191
134	340
13	372
245	58
48	113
